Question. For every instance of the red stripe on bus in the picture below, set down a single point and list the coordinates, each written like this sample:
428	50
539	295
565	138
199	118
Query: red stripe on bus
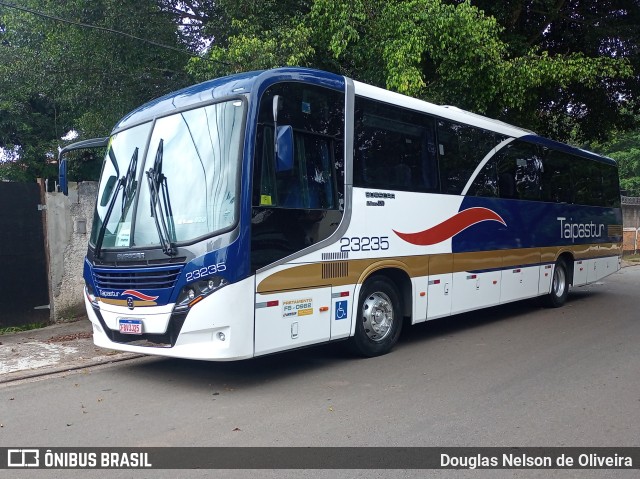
451	227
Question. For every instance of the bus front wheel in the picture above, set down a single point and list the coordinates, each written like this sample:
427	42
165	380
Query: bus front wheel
559	285
379	319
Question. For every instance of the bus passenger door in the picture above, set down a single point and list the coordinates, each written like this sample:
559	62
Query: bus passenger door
292	319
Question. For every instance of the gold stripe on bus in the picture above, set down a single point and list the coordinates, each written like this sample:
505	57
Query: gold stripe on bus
300	277
611	249
440	263
123	302
551	253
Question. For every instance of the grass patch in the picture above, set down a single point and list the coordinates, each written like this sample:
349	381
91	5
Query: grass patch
24	327
71	314
632	258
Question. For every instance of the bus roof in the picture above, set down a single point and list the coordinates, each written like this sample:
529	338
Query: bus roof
207	90
241	83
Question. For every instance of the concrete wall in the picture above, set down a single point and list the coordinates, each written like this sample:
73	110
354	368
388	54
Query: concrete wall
631	223
69	220
631	216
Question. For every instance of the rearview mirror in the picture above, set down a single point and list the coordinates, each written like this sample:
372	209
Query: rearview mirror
62	177
284	148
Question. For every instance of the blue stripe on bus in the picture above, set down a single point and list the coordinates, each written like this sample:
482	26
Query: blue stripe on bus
532	225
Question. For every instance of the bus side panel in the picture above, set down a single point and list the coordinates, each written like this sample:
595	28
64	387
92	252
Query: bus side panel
520	275
439	296
292	319
600	268
546	275
612	264
475	290
419	287
520	283
580	272
342	307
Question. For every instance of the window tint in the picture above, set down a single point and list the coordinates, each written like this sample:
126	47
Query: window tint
519	171
486	182
611	186
587	182
572	179
315	179
461	149
394	148
556	178
514	172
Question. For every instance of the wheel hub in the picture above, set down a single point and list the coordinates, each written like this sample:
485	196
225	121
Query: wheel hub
377	316
559	282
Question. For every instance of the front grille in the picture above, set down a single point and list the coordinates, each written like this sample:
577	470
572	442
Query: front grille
156	278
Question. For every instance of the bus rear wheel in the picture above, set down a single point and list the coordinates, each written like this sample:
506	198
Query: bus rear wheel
559	286
379	319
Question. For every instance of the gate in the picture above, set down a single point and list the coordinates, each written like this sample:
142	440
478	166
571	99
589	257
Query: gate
24	289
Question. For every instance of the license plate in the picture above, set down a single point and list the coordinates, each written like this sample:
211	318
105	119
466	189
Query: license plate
130	326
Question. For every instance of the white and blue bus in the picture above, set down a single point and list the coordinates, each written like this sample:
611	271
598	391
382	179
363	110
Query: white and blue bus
273	210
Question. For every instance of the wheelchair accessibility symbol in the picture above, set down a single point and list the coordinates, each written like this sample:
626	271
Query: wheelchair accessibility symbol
341	309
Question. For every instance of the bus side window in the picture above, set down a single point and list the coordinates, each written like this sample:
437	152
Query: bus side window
394	148
556	179
611	185
461	148
486	183
519	171
588	182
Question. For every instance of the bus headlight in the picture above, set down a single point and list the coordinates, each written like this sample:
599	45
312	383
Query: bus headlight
197	291
91	296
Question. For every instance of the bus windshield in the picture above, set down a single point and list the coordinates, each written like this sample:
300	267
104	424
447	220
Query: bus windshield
185	187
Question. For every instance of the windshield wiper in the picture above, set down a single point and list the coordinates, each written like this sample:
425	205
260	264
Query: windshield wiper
156	179
128	184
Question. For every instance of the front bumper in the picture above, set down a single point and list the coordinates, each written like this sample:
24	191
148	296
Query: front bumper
218	328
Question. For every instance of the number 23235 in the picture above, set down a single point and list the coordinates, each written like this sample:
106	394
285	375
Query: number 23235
364	243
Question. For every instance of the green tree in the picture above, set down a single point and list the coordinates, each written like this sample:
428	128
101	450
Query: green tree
446	52
595	28
624	147
56	77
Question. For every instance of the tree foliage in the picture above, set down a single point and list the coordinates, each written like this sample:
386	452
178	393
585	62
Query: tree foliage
513	63
568	69
56	77
594	29
624	147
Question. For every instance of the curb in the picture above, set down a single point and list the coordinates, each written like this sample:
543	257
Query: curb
98	361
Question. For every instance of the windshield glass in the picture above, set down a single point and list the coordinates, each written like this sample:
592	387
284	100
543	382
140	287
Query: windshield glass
188	184
121	166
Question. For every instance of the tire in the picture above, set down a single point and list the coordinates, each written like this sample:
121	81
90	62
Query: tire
559	286
379	318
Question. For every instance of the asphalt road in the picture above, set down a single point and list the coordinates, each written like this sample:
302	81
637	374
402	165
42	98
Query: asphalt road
516	375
